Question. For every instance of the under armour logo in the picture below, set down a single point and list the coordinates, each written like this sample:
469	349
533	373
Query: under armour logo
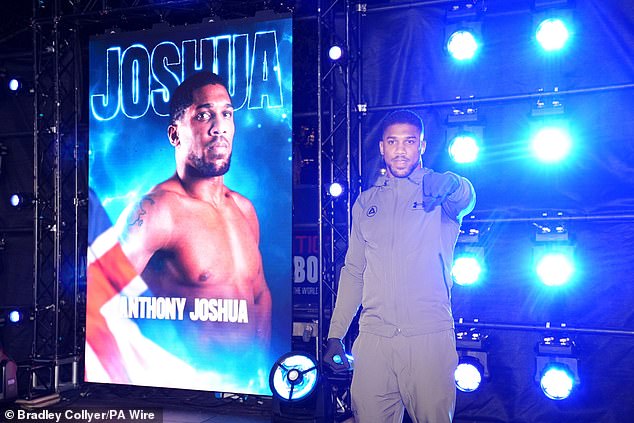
371	211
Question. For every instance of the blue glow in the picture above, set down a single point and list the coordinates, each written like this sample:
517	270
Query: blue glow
106	106
335	53
15	200
294	378
464	148
15	316
135	79
551	144
552	34
337	359
164	55
335	189
467	377
555	269
557	382
466	270
265	79
14	85
462	45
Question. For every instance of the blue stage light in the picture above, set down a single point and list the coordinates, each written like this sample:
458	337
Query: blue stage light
462	45
464	148
335	53
557	381
551	144
21	200
335	189
473	365
293	377
15	200
468	375
466	270
556	366
15	316
14	84
555	268
552	34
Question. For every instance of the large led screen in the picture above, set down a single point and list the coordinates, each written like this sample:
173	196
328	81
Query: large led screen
189	276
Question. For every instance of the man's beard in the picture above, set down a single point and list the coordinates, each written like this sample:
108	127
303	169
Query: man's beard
209	166
402	173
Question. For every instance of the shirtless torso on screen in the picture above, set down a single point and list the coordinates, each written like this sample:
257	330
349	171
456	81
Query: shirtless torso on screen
204	250
192	237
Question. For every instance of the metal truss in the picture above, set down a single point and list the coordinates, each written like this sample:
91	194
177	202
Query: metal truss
60	182
57	336
340	113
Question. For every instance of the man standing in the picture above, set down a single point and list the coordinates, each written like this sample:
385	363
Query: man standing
192	237
398	267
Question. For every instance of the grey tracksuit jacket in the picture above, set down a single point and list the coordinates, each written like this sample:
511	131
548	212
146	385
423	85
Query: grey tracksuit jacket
398	264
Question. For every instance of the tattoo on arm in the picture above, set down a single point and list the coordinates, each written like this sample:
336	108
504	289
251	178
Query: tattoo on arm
137	218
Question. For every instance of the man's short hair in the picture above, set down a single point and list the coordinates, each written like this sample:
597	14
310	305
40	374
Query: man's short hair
183	95
402	116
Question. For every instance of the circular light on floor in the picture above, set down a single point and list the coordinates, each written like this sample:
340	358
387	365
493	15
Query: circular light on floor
293	377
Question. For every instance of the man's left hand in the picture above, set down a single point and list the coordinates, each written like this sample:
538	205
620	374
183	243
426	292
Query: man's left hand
437	187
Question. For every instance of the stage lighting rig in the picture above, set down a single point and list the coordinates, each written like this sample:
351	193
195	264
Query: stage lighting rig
293	377
556	366
335	189
22	200
335	52
463	31
473	364
302	393
464	134
551	141
16	315
469	264
553	253
552	107
17	85
552	24
14	85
